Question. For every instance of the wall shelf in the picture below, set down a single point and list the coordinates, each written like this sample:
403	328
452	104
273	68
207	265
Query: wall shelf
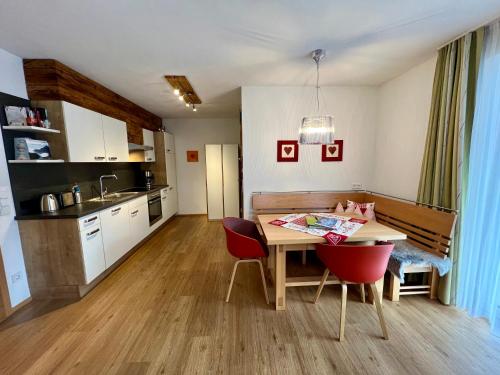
31	129
36	161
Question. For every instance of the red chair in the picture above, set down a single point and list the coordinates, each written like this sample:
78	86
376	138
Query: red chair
355	265
244	242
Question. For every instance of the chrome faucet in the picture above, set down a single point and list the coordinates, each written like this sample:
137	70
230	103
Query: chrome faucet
105	191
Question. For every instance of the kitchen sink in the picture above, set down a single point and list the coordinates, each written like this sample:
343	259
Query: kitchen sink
114	196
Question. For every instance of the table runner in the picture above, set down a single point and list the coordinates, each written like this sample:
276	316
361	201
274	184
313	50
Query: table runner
346	227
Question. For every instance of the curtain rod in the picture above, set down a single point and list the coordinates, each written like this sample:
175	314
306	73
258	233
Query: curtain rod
469	31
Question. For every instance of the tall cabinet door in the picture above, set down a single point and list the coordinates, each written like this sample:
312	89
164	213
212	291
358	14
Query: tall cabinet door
115	139
171	170
230	174
84	134
215	203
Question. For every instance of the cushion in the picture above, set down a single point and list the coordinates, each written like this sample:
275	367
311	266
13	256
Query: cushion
365	209
339	209
406	254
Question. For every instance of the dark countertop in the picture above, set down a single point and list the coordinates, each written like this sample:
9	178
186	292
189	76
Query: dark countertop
86	207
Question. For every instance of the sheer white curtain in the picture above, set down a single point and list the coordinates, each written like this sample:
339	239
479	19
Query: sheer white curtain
479	263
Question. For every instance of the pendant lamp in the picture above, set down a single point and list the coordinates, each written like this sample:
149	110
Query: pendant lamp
317	129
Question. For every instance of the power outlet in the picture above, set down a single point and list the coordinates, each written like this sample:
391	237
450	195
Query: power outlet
15	277
357	186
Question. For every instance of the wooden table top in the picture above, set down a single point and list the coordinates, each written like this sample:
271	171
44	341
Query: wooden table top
371	231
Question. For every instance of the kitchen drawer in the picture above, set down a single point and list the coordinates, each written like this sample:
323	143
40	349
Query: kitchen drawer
138	202
92	252
88	221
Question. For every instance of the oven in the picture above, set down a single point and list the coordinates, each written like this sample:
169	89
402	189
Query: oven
154	207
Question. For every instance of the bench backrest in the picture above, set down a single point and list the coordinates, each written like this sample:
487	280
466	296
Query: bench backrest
317	201
429	229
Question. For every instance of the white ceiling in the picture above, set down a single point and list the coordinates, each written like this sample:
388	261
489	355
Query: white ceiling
222	45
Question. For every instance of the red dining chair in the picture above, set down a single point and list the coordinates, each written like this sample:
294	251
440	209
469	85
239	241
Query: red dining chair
355	265
244	242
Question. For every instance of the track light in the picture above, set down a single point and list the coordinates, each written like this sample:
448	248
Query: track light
181	98
187	105
194	108
177	92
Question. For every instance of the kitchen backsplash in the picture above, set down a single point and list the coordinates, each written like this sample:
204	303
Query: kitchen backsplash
29	181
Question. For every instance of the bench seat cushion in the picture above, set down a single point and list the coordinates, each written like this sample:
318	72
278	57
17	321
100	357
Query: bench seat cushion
406	254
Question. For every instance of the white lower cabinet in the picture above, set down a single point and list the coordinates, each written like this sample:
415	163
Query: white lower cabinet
116	236
92	252
139	220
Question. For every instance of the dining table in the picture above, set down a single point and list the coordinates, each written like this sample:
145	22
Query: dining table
282	240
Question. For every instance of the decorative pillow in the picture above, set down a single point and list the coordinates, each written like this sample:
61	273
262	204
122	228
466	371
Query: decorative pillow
365	209
339	209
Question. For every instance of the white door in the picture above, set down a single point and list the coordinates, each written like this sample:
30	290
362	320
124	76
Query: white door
148	140
93	252
230	172
115	226
84	134
169	143
171	170
139	223
215	204
115	139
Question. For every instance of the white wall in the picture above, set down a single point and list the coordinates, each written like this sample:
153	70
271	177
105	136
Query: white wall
11	82
193	134
275	113
403	115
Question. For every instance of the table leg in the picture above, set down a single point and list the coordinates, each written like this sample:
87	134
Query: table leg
379	284
280	269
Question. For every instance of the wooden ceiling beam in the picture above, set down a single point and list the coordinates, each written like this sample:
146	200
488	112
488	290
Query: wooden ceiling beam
182	84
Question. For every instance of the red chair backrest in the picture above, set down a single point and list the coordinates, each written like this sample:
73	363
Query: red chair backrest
356	264
243	238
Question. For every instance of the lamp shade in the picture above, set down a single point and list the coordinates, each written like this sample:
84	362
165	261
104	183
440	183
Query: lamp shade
317	130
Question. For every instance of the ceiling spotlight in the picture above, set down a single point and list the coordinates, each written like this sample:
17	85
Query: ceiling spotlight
181	98
177	92
194	108
187	105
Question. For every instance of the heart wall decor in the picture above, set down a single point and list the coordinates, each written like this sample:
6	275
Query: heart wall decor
333	152
288	151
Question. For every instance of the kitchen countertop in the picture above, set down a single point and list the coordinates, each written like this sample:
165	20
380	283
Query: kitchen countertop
86	207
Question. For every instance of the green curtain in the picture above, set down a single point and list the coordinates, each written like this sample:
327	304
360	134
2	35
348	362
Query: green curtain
445	163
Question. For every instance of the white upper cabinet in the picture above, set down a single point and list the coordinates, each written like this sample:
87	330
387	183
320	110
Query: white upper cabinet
115	139
169	143
148	140
84	134
93	137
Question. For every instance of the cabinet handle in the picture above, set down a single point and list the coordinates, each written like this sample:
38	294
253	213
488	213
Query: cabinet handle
149	159
91	234
163	198
99	157
90	220
168	150
170	188
134	213
116	210
112	158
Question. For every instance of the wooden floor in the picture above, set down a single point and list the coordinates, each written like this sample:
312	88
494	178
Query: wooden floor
163	311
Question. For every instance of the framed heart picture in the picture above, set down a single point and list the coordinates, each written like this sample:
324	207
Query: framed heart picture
288	151
333	152
192	156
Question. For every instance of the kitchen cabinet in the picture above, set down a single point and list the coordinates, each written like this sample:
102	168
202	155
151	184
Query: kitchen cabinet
116	237
84	135
139	220
169	143
92	252
164	205
171	170
148	140
223	192
169	205
115	139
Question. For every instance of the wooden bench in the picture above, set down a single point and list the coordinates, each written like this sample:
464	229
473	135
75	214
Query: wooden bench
428	229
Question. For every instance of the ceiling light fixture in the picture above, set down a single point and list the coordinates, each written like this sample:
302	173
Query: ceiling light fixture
317	129
181	98
187	105
194	108
177	92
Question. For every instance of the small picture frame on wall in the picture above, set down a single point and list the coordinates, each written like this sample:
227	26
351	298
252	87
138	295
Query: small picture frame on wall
192	156
333	152
288	151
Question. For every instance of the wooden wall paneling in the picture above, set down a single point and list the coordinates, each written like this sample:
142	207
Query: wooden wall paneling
159	167
48	79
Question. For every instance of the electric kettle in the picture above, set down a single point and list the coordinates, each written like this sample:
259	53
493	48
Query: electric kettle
48	203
